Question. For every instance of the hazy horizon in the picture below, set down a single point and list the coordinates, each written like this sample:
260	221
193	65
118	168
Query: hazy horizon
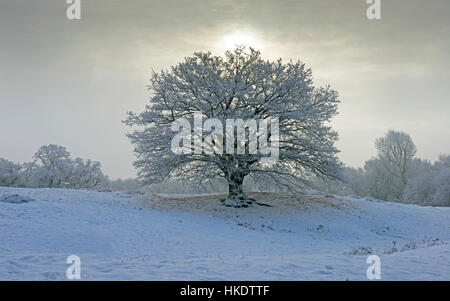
71	82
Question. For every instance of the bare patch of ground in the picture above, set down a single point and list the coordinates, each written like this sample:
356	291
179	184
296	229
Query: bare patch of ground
281	204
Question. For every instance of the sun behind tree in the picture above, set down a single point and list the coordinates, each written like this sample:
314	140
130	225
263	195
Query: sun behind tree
243	86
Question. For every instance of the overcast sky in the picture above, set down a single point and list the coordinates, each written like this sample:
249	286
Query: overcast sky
72	82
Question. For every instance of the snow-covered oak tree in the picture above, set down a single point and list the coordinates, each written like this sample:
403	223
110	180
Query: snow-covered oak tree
240	85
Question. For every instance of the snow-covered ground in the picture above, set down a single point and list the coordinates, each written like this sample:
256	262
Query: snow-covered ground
125	236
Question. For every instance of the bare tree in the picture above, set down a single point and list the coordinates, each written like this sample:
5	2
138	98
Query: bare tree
398	149
240	86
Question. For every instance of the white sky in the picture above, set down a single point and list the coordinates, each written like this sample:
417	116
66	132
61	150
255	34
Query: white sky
72	82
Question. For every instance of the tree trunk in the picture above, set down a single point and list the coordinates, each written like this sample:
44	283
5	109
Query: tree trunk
235	189
236	197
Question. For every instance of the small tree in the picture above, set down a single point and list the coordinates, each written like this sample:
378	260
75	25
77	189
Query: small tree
398	150
430	185
86	174
9	173
54	167
379	182
241	86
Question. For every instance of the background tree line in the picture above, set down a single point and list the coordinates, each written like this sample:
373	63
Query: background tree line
53	167
396	174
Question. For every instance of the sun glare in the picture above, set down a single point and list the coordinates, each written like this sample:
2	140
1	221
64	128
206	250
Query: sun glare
240	38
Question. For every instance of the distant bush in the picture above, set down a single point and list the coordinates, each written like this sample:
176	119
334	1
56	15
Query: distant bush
9	173
53	167
431	187
125	184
